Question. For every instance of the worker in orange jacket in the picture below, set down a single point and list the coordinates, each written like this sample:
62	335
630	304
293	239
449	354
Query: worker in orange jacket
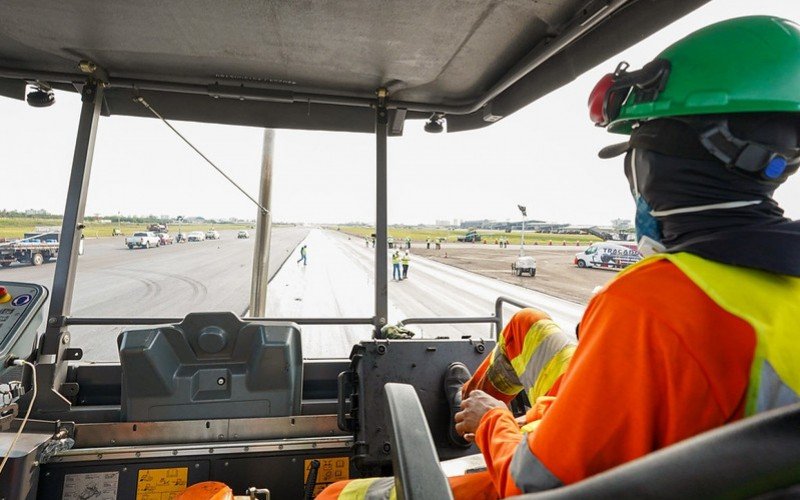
700	334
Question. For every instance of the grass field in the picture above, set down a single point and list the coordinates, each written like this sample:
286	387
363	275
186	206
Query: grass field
13	228
421	234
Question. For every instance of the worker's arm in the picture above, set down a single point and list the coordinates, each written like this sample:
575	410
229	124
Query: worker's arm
498	437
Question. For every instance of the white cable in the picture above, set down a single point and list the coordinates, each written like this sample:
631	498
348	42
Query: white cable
703	208
27	413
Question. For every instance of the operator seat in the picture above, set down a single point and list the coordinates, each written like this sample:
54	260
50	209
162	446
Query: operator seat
755	457
211	365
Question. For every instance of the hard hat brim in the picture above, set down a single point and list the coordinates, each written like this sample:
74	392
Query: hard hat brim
614	150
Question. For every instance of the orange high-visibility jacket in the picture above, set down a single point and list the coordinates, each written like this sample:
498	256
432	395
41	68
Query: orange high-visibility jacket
675	347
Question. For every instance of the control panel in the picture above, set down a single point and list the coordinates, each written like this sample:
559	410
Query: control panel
20	317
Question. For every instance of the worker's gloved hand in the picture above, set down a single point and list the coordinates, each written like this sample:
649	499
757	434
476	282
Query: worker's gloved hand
396	332
473	408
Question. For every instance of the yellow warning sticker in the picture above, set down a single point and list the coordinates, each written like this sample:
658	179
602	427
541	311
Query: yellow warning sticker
330	470
161	484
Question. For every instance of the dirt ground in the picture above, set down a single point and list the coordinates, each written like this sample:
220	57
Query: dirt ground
555	274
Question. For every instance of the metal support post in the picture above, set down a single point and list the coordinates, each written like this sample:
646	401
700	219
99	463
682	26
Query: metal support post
51	366
258	284
381	262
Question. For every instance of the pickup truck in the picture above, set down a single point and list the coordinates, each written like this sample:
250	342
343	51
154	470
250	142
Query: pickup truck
143	240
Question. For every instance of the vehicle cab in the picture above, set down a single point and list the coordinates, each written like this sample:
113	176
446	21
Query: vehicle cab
229	396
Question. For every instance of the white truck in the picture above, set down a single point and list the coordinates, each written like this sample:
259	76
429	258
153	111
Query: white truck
609	255
143	240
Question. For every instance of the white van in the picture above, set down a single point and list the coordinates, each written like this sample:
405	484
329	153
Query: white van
609	255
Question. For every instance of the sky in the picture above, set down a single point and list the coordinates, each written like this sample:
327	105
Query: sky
544	156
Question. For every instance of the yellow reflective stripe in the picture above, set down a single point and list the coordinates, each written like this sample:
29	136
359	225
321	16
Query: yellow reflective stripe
536	334
369	488
356	489
769	302
554	368
501	374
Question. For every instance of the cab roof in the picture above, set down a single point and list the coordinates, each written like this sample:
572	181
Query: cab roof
316	65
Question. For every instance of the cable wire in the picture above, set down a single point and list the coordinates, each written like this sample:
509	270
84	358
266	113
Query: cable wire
27	413
144	103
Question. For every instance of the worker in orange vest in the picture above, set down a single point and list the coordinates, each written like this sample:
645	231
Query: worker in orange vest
702	333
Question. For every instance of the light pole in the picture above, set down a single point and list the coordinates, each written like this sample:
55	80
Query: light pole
522	245
180	228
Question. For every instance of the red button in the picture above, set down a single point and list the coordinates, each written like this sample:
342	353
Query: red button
3	291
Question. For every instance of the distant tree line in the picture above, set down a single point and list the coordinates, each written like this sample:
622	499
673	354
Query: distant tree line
125	219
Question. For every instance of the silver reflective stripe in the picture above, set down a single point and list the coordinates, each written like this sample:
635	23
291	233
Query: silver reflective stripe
549	347
381	489
772	392
529	473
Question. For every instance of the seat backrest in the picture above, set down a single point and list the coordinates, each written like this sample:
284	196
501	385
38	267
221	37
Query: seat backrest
211	365
417	472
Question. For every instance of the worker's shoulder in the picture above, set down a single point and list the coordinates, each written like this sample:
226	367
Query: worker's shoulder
663	293
652	278
659	288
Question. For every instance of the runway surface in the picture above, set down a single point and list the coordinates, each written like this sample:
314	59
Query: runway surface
339	281
169	281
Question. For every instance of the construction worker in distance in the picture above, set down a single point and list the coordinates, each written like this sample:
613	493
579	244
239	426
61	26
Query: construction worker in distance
397	275
303	255
406	260
700	334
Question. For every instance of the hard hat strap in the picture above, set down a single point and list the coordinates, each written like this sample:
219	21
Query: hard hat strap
749	156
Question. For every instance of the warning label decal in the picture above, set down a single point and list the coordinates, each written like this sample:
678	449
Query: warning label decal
161	484
330	470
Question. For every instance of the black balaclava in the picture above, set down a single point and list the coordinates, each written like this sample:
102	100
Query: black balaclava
679	179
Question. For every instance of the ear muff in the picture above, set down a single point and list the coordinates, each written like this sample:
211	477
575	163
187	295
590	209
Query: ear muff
597	100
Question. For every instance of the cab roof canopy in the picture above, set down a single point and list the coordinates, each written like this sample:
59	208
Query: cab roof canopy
317	65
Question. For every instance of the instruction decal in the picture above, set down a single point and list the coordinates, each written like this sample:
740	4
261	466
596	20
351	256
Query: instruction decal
91	486
330	470
161	484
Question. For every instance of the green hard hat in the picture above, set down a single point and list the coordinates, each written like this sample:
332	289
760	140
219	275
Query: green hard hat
747	64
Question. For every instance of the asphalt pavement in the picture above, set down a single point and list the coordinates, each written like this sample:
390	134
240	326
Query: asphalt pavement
169	281
338	281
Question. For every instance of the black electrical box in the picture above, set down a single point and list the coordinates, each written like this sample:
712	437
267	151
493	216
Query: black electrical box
421	363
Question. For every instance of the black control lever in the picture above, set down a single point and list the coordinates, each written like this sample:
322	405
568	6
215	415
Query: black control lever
311	482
